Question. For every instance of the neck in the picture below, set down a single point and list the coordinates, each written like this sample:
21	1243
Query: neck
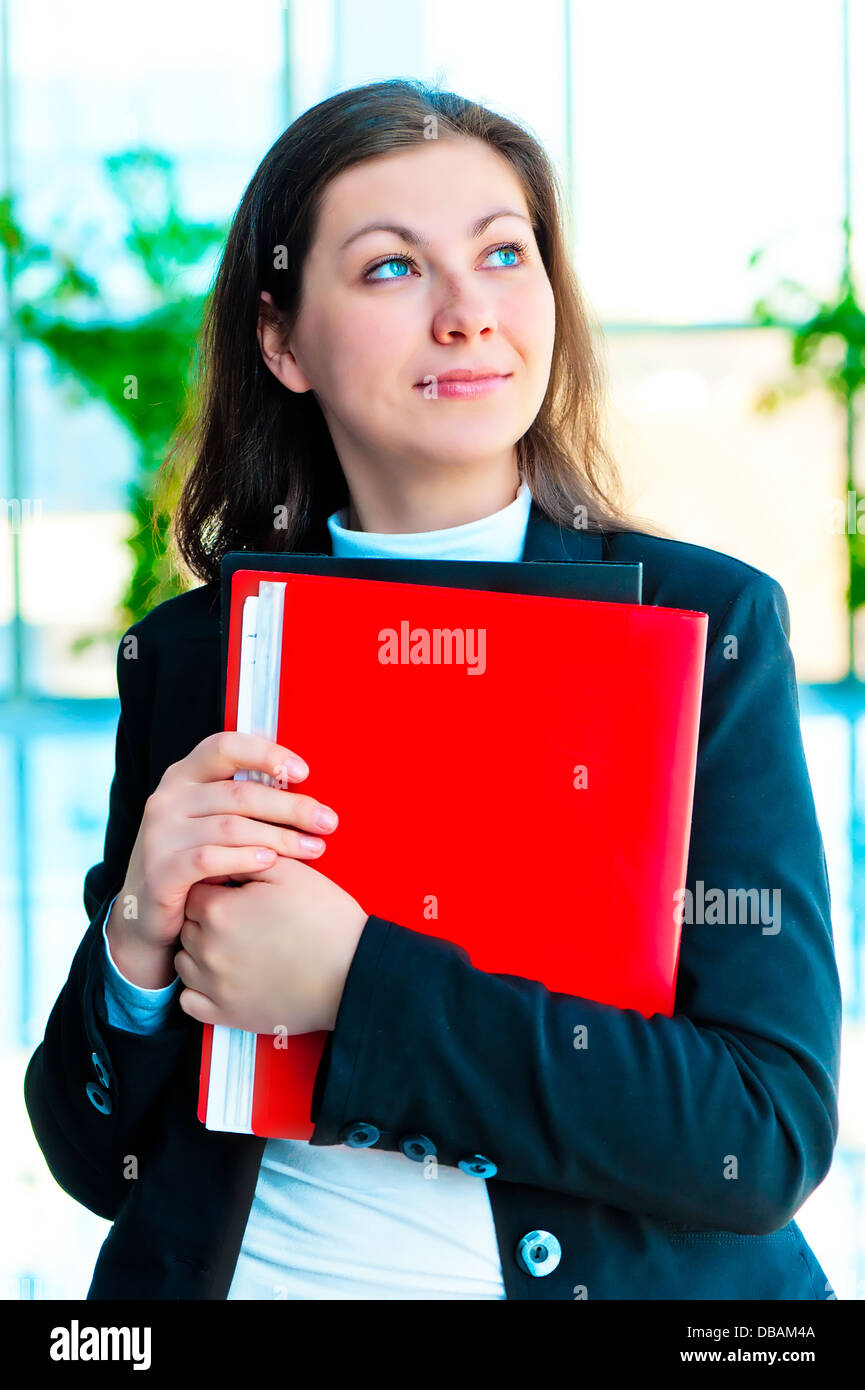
434	509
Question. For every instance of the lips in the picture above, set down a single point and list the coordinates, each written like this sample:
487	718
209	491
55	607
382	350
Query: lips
465	374
468	387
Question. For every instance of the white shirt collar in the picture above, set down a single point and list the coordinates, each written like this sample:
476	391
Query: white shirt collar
500	536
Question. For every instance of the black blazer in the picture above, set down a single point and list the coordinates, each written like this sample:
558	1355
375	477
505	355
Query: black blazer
666	1160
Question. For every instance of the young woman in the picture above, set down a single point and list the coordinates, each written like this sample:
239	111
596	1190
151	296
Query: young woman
397	361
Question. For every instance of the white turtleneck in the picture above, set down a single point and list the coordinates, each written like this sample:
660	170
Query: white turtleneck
334	1222
500	536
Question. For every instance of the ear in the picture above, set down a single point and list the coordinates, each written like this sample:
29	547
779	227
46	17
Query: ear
281	362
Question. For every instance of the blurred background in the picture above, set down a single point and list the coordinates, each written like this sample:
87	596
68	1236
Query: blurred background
710	154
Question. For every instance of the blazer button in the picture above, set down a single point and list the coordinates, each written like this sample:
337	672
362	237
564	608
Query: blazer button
478	1166
99	1068
359	1135
538	1253
98	1097
417	1147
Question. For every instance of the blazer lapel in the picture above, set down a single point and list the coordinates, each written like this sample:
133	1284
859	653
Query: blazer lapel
545	540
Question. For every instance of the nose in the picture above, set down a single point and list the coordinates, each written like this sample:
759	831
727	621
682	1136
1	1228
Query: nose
467	311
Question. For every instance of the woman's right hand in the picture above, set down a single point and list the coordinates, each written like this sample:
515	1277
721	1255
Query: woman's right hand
202	826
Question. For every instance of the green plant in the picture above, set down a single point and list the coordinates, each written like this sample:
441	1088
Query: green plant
140	368
827	348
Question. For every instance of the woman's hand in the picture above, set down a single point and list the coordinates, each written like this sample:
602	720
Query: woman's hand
202	825
271	955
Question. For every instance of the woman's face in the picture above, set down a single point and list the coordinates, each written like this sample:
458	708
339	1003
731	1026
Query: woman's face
383	317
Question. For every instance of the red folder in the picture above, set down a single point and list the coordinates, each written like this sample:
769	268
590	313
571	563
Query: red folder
529	799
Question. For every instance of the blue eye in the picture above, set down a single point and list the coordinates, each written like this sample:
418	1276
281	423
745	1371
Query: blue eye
409	263
397	261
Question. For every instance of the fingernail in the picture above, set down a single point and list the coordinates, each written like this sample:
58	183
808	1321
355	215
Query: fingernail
311	843
291	767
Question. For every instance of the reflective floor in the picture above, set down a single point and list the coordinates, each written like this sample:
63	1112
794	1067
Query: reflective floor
57	760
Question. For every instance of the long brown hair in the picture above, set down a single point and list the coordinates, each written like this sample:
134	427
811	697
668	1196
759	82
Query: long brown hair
261	471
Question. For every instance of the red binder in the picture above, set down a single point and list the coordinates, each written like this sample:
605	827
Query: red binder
529	798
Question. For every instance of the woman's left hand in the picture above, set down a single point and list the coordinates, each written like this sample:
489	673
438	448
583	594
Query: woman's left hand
271	954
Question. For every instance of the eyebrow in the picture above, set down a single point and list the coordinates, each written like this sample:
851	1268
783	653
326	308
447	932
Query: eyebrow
415	239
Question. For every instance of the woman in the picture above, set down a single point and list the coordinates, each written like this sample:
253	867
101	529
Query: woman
393	236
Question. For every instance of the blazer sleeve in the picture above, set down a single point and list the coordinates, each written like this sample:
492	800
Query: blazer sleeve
91	1088
724	1115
